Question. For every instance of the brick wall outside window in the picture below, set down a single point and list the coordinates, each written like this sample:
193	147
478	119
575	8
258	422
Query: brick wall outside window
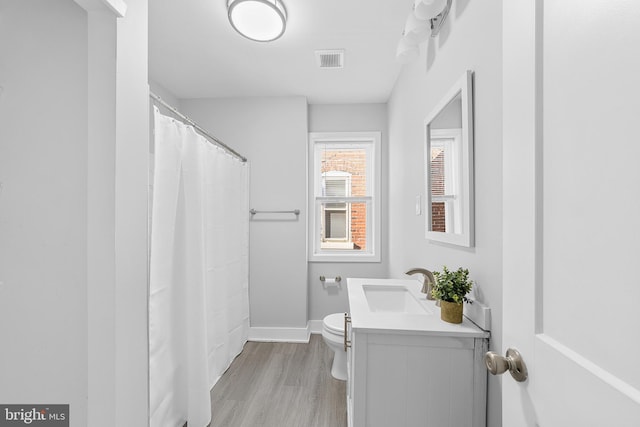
352	162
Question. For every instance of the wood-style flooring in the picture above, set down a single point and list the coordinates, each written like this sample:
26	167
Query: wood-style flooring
280	385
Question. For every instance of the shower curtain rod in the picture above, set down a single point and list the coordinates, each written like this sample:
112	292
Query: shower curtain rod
211	138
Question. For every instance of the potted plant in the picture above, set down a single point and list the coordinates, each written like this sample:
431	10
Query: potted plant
451	288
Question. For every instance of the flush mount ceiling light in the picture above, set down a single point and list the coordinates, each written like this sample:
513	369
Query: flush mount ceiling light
258	20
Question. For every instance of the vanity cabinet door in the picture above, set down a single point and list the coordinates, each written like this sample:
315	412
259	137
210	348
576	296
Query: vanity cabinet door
410	380
358	379
350	351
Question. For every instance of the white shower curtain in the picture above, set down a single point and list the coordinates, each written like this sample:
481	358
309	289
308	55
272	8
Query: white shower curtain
198	299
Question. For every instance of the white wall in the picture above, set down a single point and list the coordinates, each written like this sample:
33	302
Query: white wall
43	205
131	214
101	303
272	134
73	184
348	118
471	38
166	96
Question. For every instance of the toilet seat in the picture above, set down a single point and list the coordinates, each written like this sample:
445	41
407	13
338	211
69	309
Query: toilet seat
334	323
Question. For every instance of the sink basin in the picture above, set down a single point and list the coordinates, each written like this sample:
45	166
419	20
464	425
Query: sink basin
392	299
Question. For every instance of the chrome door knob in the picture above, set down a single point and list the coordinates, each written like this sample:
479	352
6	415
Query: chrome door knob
513	362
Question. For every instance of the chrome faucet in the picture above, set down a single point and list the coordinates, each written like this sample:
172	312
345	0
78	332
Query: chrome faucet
427	282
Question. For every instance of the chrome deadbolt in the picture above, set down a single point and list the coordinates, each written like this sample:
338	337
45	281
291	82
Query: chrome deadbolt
498	365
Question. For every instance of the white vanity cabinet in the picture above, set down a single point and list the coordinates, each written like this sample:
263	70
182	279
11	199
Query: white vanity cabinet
416	371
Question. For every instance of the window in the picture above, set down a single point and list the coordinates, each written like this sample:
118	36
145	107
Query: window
336	217
445	180
344	171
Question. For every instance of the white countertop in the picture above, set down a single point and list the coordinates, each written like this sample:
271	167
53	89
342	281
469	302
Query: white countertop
427	323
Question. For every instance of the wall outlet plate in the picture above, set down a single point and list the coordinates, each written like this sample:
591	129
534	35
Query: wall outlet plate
418	205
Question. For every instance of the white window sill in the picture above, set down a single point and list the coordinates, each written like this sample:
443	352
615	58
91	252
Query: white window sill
342	256
329	245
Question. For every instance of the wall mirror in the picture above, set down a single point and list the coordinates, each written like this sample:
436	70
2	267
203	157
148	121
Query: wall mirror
449	166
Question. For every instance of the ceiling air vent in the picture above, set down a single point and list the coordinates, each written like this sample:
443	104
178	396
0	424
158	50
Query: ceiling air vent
330	58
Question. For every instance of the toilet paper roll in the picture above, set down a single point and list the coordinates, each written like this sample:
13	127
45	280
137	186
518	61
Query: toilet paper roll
330	281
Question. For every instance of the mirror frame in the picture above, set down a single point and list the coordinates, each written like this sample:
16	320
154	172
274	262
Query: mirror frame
464	88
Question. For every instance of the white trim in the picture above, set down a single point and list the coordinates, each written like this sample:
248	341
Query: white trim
464	88
277	334
118	7
608	378
372	142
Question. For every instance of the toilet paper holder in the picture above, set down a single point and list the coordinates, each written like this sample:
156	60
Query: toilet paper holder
337	279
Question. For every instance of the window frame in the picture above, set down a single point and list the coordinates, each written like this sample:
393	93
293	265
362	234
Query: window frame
345	177
451	142
371	142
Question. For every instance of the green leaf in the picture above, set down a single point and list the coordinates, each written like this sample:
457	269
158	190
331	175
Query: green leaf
452	286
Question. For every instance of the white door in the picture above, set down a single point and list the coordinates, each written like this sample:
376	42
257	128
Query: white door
571	159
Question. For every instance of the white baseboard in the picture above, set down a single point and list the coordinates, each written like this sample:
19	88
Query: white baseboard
315	326
267	334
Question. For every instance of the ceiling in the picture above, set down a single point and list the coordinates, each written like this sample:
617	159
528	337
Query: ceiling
195	53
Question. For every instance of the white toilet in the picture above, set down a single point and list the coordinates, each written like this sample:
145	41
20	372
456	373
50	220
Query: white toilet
333	335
